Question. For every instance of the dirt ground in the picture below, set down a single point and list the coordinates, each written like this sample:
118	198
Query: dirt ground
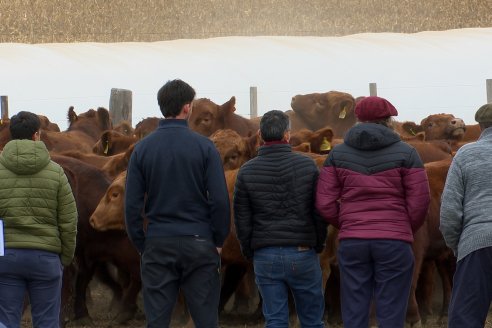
101	315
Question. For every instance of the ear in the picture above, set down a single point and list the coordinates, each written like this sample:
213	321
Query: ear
411	128
72	117
228	107
106	141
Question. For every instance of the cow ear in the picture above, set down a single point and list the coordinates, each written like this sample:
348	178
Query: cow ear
106	140
228	107
321	140
252	143
72	117
411	128
103	119
420	136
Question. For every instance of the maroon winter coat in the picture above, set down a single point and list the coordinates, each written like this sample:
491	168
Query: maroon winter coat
373	186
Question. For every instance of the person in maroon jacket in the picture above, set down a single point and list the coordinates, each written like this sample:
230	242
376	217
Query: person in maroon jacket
374	189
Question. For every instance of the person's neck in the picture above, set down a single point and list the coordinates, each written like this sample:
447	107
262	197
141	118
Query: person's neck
276	142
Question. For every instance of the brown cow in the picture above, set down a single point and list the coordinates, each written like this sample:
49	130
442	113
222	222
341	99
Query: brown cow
5	137
315	111
113	142
320	141
208	117
83	132
434	127
95	249
145	126
234	150
124	127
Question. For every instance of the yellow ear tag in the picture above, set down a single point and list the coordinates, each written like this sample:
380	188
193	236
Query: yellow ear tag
325	145
343	113
106	149
1	121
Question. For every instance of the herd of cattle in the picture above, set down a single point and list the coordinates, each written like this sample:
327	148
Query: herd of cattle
95	154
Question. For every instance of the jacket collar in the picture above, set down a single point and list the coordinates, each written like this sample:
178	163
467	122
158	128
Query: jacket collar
274	148
172	123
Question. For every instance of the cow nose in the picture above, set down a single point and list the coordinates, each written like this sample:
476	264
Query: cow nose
92	221
458	122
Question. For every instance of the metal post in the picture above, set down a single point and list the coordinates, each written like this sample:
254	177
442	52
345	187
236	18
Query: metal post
4	107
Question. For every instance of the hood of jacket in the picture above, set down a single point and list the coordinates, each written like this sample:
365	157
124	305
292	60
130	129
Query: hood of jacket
24	157
370	136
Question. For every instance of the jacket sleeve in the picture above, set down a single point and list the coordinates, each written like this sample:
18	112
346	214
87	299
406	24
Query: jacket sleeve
451	220
328	193
417	194
134	203
218	198
67	219
320	224
243	216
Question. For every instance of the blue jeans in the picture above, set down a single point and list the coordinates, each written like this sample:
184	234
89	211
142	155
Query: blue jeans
40	274
279	269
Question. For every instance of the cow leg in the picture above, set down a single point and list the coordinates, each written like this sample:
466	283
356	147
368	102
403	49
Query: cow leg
333	307
413	318
233	274
129	300
104	275
84	276
67	293
446	268
425	288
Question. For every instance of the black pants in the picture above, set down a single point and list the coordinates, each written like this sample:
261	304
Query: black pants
472	290
189	263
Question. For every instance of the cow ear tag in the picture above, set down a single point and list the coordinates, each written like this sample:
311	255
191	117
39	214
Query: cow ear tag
343	113
325	145
106	149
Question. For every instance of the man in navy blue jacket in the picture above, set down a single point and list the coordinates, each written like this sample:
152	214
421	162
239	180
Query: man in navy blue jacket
176	180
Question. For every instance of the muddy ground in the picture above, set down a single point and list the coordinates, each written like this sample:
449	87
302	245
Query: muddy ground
102	316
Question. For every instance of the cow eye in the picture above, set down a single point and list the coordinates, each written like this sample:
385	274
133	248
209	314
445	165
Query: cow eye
115	195
430	125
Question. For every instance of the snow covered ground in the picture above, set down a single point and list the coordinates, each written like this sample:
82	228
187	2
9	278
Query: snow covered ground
421	74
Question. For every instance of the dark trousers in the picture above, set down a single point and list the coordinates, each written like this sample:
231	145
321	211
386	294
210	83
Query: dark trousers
40	274
472	290
375	268
187	263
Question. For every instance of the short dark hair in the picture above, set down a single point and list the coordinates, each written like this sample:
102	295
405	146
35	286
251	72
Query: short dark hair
273	125
173	95
24	124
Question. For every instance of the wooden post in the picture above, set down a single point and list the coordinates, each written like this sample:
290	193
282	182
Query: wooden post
489	90
253	102
4	107
373	89
120	106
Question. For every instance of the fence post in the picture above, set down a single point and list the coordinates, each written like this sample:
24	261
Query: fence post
253	102
489	90
373	89
4	107
120	106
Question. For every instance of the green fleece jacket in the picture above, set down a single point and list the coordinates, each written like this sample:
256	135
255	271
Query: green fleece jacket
36	202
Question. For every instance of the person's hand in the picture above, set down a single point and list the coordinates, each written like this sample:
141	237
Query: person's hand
219	250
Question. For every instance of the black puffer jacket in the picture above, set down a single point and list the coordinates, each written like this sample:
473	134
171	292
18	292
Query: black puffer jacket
274	201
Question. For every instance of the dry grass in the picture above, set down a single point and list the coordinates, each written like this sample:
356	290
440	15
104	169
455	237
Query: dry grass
41	21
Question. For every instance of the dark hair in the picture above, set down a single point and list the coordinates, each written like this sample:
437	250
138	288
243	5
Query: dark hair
273	125
23	125
173	95
484	125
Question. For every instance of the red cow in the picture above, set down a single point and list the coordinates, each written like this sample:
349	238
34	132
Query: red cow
145	126
315	111
234	150
320	141
94	248
113	142
208	117
434	127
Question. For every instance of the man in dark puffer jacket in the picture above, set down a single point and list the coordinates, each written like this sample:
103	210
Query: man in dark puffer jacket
374	188
277	225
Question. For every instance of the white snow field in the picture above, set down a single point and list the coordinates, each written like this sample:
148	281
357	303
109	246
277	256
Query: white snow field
421	74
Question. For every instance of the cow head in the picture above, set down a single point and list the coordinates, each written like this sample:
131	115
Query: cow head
145	126
208	117
443	126
92	122
320	141
108	214
234	150
318	110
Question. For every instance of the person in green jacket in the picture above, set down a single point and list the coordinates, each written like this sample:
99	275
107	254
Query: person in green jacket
39	217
